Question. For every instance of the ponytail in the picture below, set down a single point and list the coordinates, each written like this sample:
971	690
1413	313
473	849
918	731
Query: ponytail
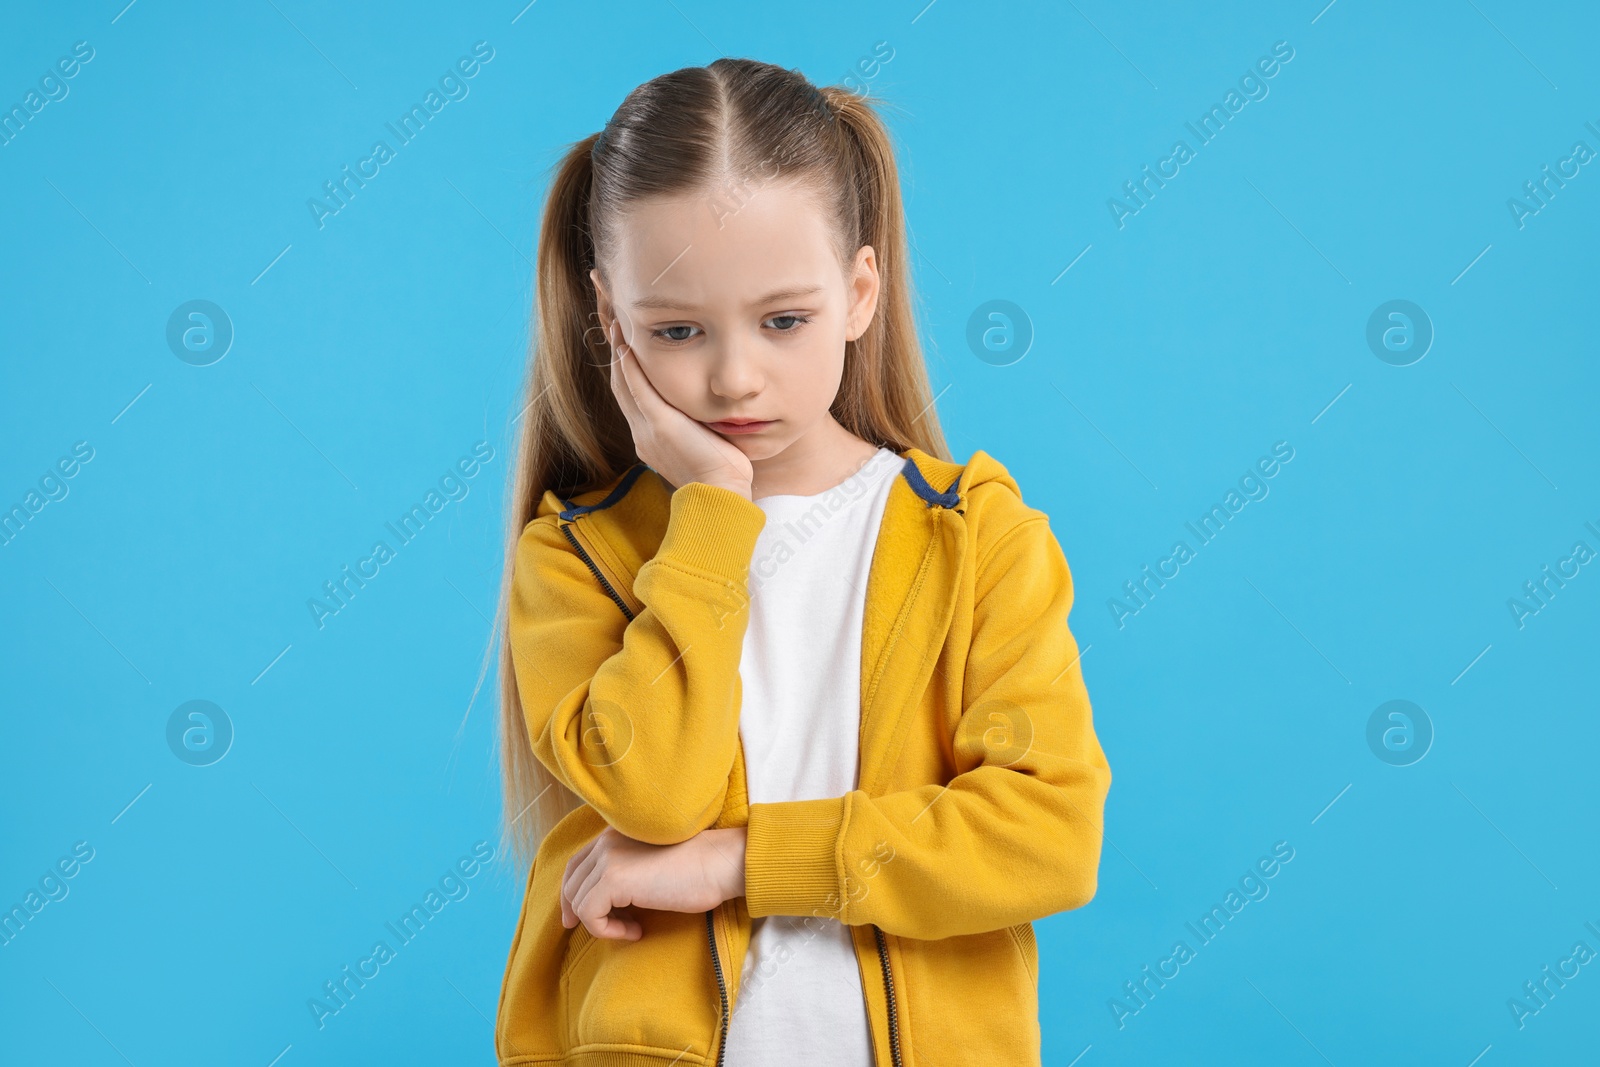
573	438
885	396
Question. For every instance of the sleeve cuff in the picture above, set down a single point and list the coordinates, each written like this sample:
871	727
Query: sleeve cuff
712	529
791	858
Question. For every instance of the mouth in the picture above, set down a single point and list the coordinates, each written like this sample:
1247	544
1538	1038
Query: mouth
727	426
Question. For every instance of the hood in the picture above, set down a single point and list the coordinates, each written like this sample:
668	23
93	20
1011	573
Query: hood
628	516
640	483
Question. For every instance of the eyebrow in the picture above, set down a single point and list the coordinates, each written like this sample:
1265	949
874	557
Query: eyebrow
666	303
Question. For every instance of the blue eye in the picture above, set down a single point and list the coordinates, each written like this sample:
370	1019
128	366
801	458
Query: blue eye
677	335
662	334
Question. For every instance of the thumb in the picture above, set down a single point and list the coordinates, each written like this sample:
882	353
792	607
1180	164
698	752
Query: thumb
614	926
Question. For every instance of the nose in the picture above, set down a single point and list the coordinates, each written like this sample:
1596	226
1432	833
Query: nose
735	371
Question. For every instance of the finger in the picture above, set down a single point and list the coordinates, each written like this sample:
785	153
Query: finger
651	407
571	878
574	861
573	883
599	896
619	928
628	918
614	341
621	384
593	912
584	903
650	403
628	373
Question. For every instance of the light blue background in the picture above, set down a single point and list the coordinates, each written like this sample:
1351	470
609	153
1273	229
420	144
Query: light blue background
1225	316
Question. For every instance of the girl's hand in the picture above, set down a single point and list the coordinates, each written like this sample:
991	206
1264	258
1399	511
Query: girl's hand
677	447
614	872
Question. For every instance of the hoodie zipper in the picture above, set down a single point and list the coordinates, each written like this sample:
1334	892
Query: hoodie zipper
566	528
711	930
888	992
722	987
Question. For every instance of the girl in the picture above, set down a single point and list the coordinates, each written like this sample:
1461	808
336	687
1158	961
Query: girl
793	727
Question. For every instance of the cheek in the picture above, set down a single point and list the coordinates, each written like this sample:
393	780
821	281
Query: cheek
817	372
678	380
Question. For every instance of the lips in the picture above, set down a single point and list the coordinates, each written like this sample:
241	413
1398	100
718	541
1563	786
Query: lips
740	425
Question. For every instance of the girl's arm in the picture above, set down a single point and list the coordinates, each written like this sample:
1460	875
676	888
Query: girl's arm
640	719
1014	836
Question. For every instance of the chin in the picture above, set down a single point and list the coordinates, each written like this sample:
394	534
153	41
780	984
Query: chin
755	449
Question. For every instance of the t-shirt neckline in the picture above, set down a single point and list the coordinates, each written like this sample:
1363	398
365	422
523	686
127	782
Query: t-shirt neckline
877	457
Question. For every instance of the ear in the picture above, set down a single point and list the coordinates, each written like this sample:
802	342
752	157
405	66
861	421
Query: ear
602	298
864	287
598	333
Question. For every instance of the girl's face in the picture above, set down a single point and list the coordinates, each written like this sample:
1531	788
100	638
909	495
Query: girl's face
736	305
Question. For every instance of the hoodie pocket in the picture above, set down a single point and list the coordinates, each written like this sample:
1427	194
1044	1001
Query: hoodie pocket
1028	945
658	991
971	998
579	943
528	1026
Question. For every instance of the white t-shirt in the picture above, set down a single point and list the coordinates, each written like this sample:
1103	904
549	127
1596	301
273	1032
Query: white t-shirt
800	1000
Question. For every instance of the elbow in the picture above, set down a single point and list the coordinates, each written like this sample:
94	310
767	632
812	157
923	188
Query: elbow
1082	835
1070	878
654	831
1078	888
1078	878
661	820
647	808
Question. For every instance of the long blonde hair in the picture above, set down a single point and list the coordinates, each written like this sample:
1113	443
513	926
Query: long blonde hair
698	129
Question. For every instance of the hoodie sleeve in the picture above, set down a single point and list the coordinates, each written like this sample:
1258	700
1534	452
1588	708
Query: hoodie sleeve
1015	835
639	718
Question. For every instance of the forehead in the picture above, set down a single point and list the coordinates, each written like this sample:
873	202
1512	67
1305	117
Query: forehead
727	246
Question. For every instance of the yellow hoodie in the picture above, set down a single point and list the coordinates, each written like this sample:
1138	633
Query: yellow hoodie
982	783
